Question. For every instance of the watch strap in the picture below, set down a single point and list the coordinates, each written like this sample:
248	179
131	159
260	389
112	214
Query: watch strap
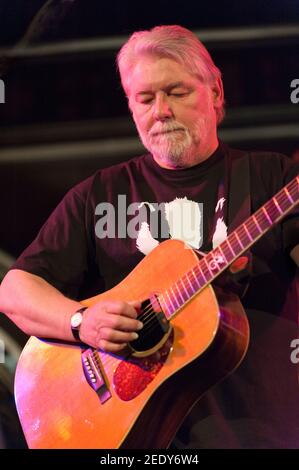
76	330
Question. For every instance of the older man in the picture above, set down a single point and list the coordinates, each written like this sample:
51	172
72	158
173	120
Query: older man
176	98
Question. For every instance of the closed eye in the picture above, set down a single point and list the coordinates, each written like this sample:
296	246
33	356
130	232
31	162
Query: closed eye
178	94
145	100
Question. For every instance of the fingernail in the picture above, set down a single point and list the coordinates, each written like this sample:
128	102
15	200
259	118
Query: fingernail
140	325
135	335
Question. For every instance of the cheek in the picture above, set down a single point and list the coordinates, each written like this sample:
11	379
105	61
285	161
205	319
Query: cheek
203	112
142	122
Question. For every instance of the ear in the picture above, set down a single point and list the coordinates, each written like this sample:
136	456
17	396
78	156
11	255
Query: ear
218	93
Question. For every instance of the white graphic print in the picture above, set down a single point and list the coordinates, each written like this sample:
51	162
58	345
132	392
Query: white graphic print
145	241
184	218
220	204
220	233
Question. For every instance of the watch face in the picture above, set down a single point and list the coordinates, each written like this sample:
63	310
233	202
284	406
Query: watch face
76	320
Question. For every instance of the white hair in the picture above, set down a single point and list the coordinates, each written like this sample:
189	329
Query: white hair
174	42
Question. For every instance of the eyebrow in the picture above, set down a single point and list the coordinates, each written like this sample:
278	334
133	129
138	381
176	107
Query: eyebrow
167	88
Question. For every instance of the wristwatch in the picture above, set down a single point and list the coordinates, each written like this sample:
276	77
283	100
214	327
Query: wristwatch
76	320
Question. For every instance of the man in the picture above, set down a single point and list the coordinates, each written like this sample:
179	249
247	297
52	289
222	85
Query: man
176	98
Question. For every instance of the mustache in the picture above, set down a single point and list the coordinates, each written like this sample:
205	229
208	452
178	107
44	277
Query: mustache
164	127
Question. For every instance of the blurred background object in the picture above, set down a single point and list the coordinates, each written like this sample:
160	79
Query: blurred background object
65	114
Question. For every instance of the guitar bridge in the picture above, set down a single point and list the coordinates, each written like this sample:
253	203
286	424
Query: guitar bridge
94	375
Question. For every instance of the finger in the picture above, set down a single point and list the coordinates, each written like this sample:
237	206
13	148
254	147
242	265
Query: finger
110	347
135	303
122	323
116	336
121	308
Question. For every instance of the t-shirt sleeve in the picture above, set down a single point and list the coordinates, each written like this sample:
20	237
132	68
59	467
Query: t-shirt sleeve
60	254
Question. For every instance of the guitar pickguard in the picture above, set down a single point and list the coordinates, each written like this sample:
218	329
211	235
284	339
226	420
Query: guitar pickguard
133	376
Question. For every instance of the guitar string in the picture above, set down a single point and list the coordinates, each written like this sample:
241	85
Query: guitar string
186	276
197	266
149	314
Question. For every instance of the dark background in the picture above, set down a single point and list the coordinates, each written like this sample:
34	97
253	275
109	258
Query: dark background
90	18
65	114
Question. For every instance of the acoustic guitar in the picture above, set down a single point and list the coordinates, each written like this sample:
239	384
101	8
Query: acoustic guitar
73	396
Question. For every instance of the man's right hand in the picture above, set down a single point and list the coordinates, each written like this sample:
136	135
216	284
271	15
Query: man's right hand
110	324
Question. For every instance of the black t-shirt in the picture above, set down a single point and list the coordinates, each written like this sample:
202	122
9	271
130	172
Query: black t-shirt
105	225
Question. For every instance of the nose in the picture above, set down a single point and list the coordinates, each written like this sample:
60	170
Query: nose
162	109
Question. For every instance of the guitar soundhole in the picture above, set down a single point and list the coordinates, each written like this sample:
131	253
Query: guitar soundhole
155	326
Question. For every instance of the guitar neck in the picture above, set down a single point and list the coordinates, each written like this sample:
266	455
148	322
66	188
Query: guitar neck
217	260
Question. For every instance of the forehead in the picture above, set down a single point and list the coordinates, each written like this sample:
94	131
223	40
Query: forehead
154	73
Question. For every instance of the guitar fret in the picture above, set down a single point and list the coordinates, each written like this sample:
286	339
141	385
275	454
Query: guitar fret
180	283
175	297
215	260
289	196
166	306
254	227
207	265
277	205
220	249
195	277
190	284
272	210
257	224
227	251
230	246
283	201
179	291
247	232
166	292
262	220
202	273
239	240
187	293
267	215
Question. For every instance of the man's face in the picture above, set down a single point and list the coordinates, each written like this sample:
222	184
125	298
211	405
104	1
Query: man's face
174	112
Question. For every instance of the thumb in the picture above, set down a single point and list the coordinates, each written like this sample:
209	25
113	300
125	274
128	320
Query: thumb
135	303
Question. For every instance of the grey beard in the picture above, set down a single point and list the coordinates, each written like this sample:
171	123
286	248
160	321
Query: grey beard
171	150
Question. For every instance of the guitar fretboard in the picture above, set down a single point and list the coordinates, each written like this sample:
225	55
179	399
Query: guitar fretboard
211	265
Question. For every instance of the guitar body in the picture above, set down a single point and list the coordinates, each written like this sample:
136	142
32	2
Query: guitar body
151	393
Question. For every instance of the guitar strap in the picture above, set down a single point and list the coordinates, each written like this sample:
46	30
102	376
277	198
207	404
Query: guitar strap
239	206
235	188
